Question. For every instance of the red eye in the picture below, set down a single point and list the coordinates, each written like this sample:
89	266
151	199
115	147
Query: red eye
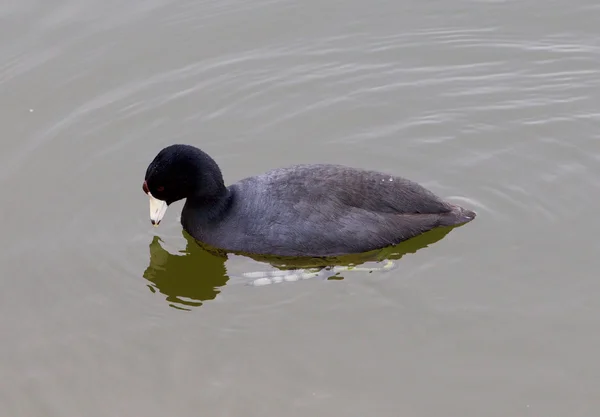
160	189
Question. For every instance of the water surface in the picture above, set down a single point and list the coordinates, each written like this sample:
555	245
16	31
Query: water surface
493	104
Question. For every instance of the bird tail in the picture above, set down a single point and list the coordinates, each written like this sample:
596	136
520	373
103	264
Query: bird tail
457	216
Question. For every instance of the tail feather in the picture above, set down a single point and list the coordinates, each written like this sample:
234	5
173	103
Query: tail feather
457	216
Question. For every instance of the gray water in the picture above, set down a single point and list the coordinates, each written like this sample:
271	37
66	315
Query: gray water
492	104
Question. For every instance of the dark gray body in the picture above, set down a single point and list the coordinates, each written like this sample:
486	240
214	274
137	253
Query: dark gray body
319	210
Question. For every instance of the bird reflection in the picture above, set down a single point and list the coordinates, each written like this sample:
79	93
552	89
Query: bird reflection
186	279
198	272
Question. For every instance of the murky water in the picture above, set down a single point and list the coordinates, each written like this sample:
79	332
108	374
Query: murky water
493	104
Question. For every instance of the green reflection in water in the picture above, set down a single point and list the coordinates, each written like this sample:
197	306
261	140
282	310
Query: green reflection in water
196	274
187	279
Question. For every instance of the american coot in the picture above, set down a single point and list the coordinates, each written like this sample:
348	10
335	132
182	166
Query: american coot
302	210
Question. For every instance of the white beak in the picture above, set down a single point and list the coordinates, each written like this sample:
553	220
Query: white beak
158	208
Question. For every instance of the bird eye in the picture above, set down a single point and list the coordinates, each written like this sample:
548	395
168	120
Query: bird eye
160	189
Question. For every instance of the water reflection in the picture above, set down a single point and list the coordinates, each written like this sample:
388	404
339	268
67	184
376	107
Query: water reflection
187	279
197	273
